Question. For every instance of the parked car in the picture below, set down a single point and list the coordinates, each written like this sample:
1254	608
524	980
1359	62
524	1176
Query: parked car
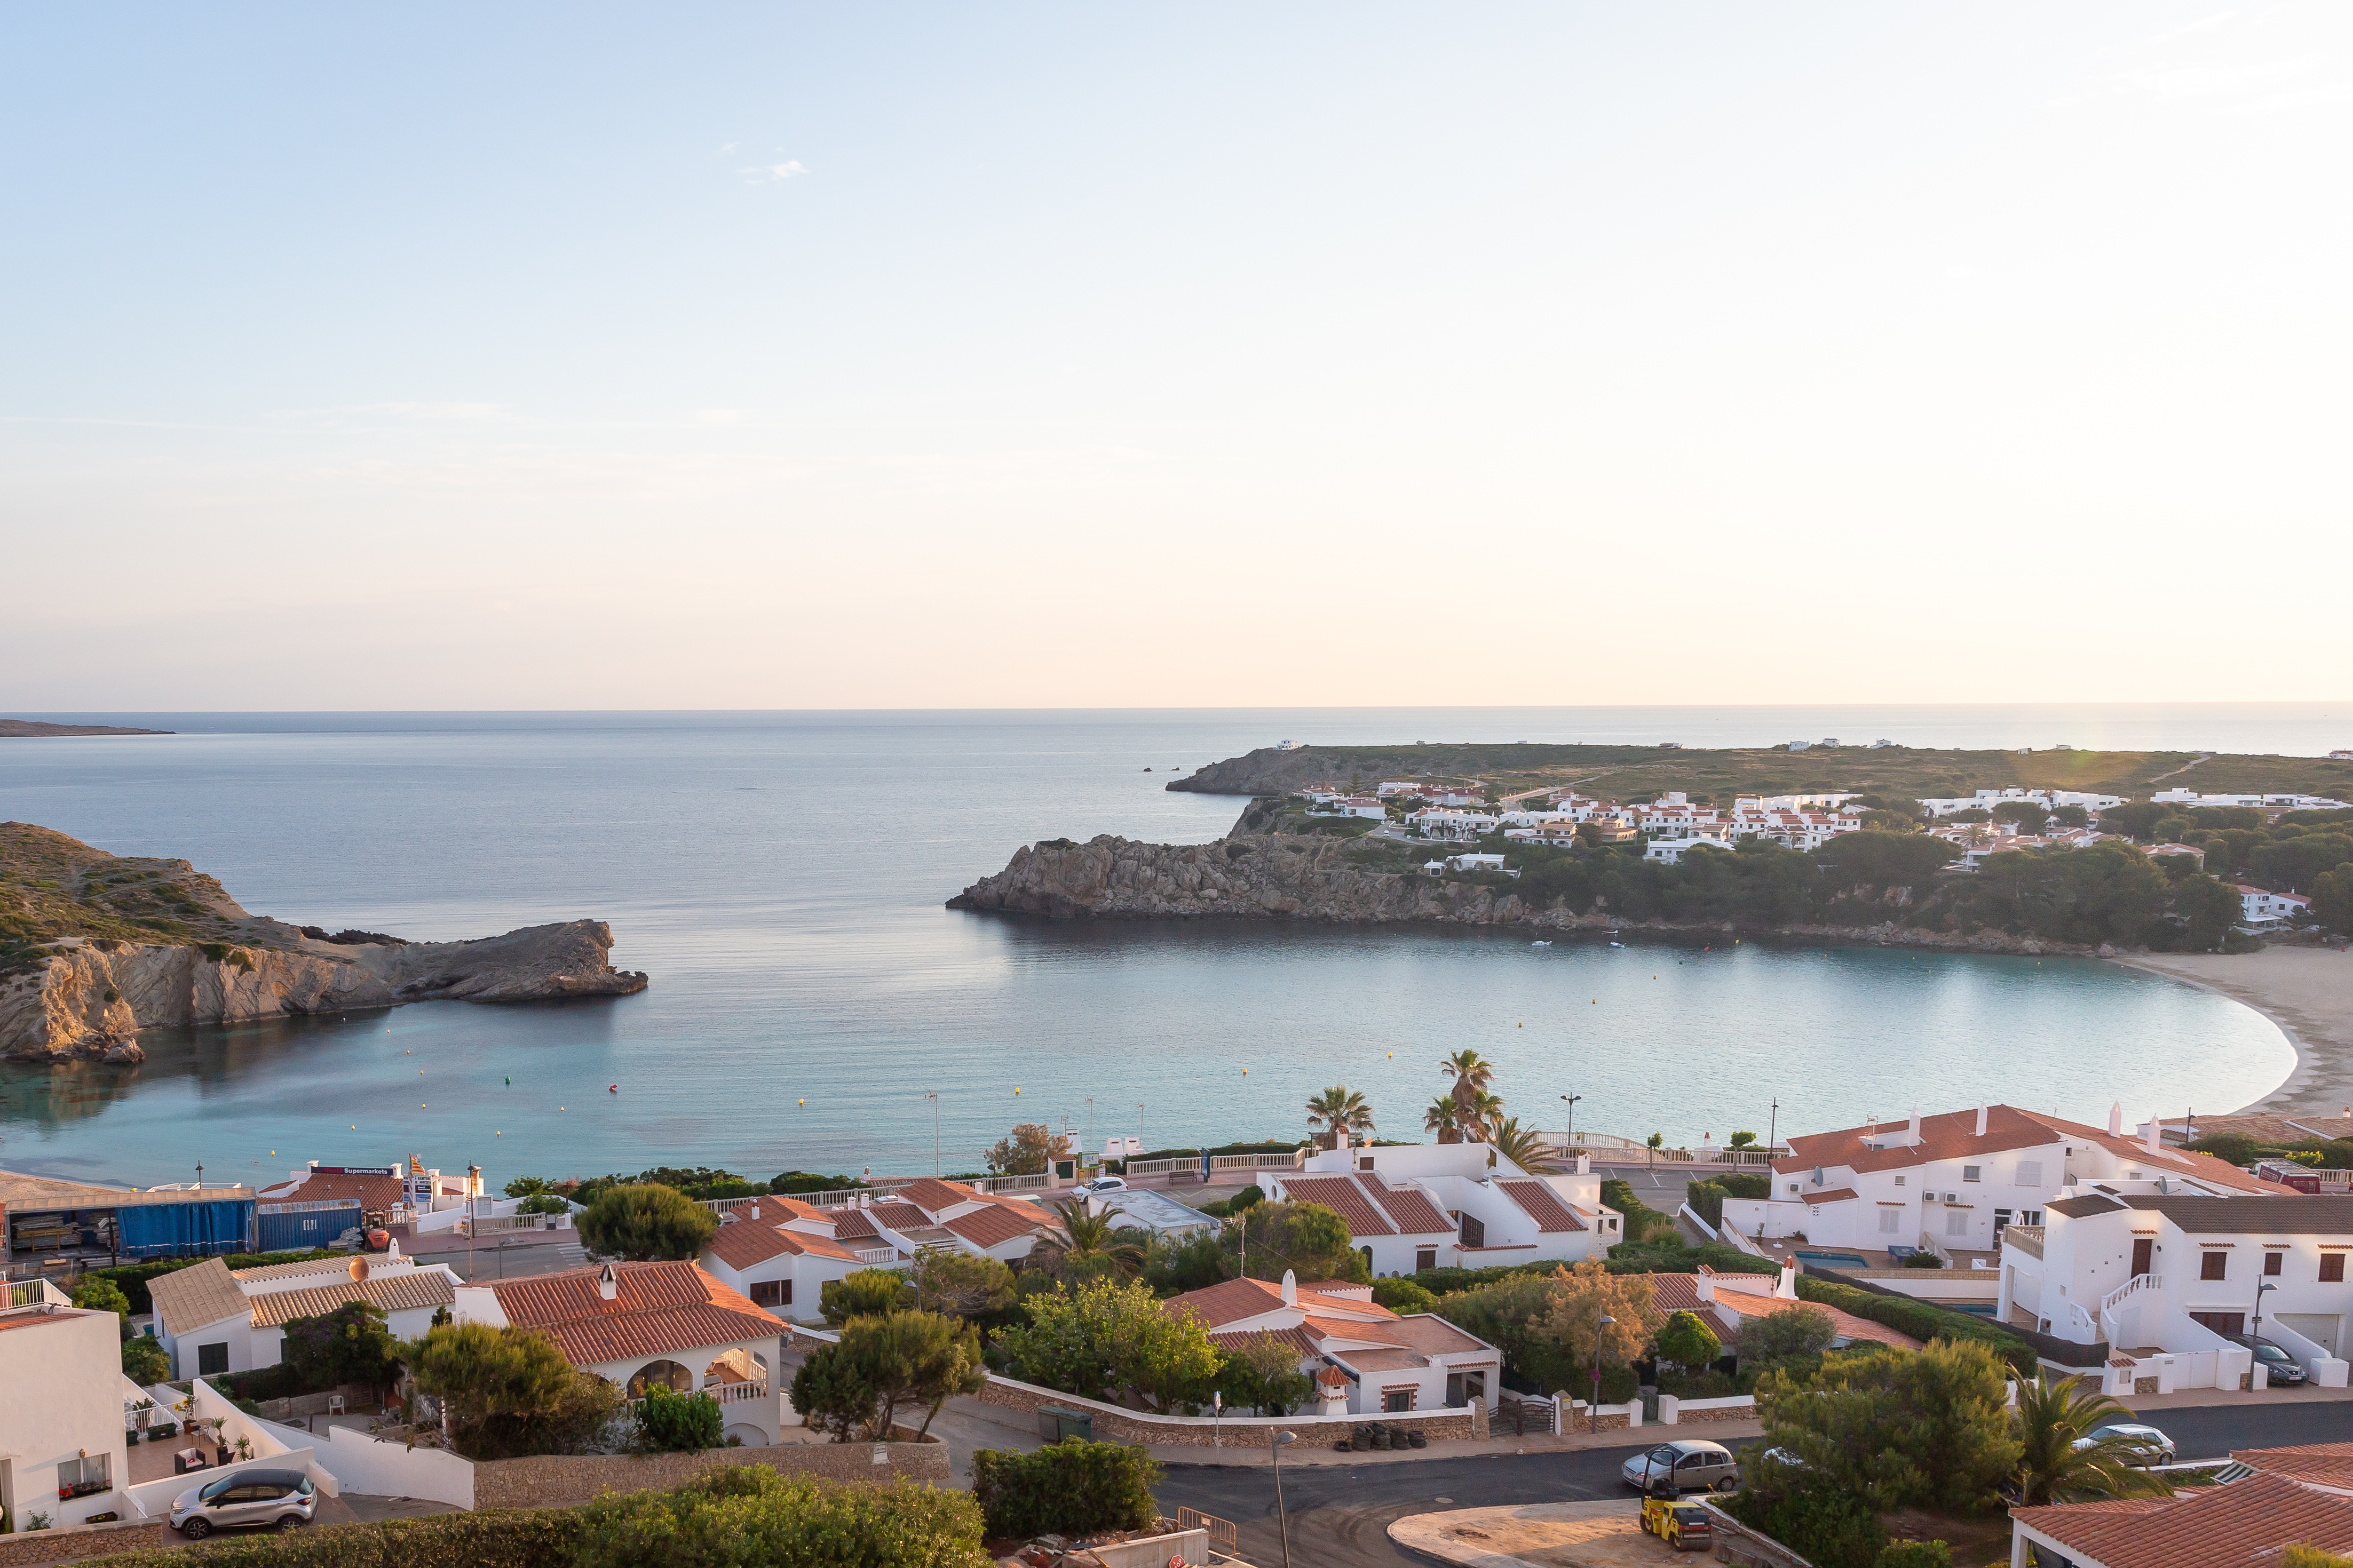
1105	1184
1694	1465
2156	1448
279	1500
2277	1364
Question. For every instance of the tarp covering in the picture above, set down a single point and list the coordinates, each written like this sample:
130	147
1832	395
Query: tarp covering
316	1226
191	1230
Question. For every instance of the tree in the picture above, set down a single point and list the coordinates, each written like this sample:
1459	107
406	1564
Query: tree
911	1361
1262	1373
832	1394
506	1391
1523	1146
97	1293
144	1361
2029	816
736	1514
1338	1110
1308	1241
529	1186
352	1344
863	1293
672	1423
1581	1295
1030	1150
542	1203
2332	901
1441	1118
1403	1297
1897	1429
2314	1557
1486	1115
644	1221
1743	1140
1106	1339
1174	1265
1471	1073
1687	1342
965	1284
1070	1487
1095	1247
1792	1337
2209	908
2050	1419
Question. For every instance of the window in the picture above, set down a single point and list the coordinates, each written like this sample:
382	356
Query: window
1956	1222
2272	1262
212	1360
1397	1401
2332	1267
2214	1265
1889	1220
2029	1173
771	1292
81	1478
2000	1221
1971	1173
1475	1231
1899	1181
1424	1257
2029	1216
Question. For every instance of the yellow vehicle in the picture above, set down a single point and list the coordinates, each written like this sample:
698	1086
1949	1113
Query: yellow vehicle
1682	1525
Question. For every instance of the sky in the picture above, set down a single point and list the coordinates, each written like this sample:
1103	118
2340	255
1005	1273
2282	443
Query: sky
594	356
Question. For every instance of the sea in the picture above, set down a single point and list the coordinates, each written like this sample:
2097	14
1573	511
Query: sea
782	877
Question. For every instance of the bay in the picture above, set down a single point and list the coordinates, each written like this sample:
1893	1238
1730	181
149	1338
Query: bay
781	876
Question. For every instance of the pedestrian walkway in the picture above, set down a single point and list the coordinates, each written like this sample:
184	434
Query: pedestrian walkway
1537	1535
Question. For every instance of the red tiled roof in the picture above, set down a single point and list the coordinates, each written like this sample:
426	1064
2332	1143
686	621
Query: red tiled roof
1763	1303
2319	1464
745	1242
657	1309
1343	1197
991	1226
931	1194
1542	1205
321	1187
2242	1525
1414	1212
851	1225
1298	1339
408	1291
1953	1135
1234	1300
900	1216
797	1207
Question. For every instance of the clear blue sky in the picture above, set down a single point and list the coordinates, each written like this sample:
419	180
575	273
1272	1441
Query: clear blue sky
528	357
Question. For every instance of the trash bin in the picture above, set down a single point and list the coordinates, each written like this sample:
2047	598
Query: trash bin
1054	1424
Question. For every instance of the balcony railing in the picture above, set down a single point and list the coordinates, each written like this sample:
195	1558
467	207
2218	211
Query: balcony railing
737	1393
882	1255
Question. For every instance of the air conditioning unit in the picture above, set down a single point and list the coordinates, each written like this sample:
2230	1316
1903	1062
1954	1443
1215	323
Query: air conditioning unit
1952	1197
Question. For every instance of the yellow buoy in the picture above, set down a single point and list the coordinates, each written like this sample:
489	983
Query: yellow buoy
1017	1088
1246	1072
801	1101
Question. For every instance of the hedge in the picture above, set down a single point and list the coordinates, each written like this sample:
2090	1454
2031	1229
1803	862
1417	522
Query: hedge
502	1538
1721	1257
1070	1487
748	1516
131	1277
1921	1321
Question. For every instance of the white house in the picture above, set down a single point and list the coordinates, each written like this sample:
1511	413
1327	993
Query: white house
641	1325
1426	1205
62	1446
1393	1364
1466	863
2165	1277
932	1213
1671	850
211	1318
780	1252
1139	1208
2048	799
2260	907
1443	822
1952	1184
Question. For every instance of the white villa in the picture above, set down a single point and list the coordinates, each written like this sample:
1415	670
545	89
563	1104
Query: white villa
780	1252
1429	1205
1443	822
1391	1363
2261	909
932	1213
61	1430
211	1318
2261	801
2048	799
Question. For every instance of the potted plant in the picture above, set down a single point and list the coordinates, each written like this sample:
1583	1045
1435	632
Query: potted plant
245	1447
163	1431
142	1413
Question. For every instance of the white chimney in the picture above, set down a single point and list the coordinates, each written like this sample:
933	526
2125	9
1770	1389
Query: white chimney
1787	1289
754	1213
392	1250
1585	1164
2150	1144
1915	1126
1290	1288
608	1286
1339	1138
2117	1119
1705	1283
1982	1118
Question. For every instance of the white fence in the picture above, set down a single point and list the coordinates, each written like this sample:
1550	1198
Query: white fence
370	1465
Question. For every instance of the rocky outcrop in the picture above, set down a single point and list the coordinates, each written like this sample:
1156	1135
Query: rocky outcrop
1263	876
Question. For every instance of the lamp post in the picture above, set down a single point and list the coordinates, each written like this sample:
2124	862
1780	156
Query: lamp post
935	1098
1275	1440
1771	1128
1600	1320
1572	1100
2260	1287
1139	1122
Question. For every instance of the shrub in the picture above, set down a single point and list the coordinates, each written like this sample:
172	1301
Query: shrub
1922	1260
1829	1528
97	1293
864	1293
1921	1321
350	1345
1403	1297
1706	1200
542	1203
646	1221
509	1391
742	1515
1070	1487
1916	1554
504	1538
671	1422
1687	1342
144	1361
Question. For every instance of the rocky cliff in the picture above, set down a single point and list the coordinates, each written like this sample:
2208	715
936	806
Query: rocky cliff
96	947
1262	875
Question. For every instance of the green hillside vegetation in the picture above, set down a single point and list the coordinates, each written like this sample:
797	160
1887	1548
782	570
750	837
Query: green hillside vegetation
52	887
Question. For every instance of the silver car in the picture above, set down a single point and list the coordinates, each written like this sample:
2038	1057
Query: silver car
280	1500
1690	1465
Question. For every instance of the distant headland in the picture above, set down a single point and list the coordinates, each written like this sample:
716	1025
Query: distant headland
27	729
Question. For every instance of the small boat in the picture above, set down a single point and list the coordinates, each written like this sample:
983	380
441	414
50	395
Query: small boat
1617	944
1539	944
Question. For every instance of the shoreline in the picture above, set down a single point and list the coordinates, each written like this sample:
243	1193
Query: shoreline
2305	992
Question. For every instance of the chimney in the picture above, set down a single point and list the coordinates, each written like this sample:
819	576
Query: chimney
1915	1126
1982	1118
1787	1289
1705	1283
1585	1164
755	1210
1290	1288
1339	1138
2150	1143
608	1285
2117	1119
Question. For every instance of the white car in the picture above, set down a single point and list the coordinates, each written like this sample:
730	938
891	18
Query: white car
1105	1184
2156	1448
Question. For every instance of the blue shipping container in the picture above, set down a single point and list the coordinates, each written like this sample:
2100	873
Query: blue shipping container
195	1228
306	1228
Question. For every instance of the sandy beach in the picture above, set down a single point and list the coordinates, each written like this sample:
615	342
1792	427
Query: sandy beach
2306	991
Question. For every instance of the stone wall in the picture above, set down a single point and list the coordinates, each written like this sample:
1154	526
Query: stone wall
1688	1417
1114	1425
564	1480
81	1541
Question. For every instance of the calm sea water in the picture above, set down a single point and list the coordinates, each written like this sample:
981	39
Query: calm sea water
781	876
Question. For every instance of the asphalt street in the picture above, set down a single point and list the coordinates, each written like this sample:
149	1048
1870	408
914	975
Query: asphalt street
1339	1515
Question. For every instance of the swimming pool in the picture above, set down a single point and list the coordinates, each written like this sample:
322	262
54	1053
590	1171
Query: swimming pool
1833	1259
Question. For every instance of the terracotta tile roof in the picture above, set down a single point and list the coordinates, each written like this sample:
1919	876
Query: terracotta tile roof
992	1226
325	1267
746	1242
2320	1215
851	1224
321	1186
931	1194
1676	1293
1234	1300
1371	1333
902	1217
1298	1339
1953	1135
1343	1197
409	1290
1762	1303
1542	1204
798	1208
1414	1212
659	1307
188	1298
2318	1463
2241	1525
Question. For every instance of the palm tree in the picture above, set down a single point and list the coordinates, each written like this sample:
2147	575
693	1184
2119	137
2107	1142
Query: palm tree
1094	1245
1486	1115
1337	1110
1523	1146
1472	1074
2052	1419
1440	1119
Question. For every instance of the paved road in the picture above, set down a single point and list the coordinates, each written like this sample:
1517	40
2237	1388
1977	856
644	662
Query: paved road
1339	1515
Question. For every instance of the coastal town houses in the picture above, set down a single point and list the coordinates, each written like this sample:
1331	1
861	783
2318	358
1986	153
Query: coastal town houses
2168	1278
2260	909
2048	799
1427	1205
640	1325
1732	1300
316	1205
932	1213
211	1318
2259	802
1952	1184
2295	1497
1671	851
1392	1364
1444	822
780	1253
62	1397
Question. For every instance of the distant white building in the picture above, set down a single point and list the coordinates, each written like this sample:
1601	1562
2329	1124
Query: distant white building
2048	799
2260	907
1467	863
1427	1205
1817	800
1385	1363
1439	821
2270	802
1671	851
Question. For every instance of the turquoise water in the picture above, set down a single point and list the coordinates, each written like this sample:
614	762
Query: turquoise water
781	879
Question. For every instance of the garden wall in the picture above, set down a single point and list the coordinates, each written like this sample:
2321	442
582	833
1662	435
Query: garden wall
81	1541
565	1480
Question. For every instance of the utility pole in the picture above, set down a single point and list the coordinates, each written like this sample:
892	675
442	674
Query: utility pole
1139	1122
473	1213
1275	1440
1091	1130
1772	1128
935	1098
1600	1321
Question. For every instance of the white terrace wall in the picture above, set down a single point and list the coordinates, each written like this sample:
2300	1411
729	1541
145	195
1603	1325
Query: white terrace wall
370	1465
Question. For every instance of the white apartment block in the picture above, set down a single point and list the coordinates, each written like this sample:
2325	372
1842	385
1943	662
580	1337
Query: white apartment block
1817	800
1431	1205
2261	801
2261	909
1671	851
1441	821
2048	799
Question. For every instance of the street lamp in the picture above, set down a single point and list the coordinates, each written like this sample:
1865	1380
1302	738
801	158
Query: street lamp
2260	1287
1600	1320
1572	1100
1275	1440
935	1098
1772	1128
